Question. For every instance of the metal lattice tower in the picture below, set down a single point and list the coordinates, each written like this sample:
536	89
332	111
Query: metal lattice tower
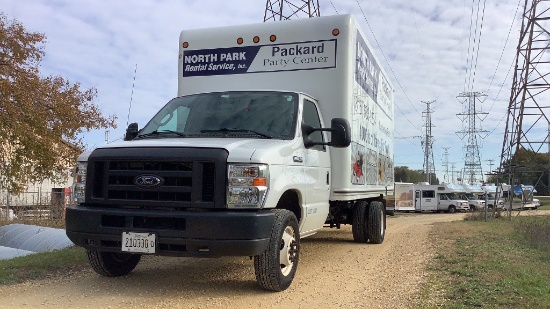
289	9
427	141
445	165
527	124
471	118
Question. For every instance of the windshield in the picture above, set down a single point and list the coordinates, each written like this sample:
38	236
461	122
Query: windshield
470	196
228	114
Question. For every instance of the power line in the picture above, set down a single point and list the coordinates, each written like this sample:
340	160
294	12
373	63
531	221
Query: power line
504	47
387	62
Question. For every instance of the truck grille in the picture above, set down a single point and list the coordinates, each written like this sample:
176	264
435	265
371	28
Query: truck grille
157	177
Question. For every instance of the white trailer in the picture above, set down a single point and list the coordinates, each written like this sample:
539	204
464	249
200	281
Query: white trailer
521	197
404	196
437	198
278	130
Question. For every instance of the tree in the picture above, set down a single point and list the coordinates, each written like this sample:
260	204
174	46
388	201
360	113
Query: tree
41	118
404	174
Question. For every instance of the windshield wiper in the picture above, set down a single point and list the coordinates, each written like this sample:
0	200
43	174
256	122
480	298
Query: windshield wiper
157	133
226	130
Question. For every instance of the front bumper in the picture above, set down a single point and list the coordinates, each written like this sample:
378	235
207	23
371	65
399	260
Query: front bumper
179	233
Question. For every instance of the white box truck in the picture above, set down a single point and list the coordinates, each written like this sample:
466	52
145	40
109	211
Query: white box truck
442	197
278	130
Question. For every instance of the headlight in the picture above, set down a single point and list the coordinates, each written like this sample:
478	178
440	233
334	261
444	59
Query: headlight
79	191
248	185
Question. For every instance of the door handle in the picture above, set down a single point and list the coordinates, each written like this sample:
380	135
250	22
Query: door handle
297	159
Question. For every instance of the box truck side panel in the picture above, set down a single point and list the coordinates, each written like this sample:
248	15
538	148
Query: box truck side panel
340	71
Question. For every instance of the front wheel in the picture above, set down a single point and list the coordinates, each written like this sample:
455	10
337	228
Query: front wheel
452	209
112	264
276	266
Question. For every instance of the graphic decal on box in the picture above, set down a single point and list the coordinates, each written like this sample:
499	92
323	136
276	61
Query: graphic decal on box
260	58
367	70
358	164
372	118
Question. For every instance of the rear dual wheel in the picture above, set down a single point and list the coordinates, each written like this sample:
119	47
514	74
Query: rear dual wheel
369	222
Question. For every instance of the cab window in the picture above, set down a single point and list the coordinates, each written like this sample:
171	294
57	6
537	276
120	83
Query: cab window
311	117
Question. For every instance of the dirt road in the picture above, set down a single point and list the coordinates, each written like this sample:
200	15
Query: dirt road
334	272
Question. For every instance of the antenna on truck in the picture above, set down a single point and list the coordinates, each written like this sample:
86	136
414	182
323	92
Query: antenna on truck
131	96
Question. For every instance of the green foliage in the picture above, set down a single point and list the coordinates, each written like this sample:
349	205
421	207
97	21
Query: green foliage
531	169
404	174
41	117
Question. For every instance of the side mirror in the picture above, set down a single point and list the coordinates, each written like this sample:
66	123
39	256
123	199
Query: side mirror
340	136
340	133
131	131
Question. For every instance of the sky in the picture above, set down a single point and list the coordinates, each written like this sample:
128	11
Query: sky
432	51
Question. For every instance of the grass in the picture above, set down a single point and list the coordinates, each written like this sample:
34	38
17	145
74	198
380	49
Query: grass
494	264
42	265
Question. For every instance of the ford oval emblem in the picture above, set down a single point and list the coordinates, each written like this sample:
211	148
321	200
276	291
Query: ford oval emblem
148	181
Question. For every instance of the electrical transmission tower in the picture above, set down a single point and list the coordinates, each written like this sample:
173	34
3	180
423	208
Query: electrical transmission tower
527	126
427	141
445	165
287	9
471	128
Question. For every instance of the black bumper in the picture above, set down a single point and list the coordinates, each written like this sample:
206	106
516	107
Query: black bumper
179	233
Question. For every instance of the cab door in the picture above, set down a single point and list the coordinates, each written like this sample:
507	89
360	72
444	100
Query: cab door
317	172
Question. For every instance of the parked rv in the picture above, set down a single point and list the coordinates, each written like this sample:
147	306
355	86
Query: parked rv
493	195
472	193
443	197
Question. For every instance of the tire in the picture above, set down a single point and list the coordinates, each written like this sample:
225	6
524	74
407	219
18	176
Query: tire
376	222
276	266
452	209
112	264
359	225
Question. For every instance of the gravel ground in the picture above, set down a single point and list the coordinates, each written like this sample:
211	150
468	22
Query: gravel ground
334	272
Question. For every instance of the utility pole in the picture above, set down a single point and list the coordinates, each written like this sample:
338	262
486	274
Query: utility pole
427	142
453	172
490	165
291	9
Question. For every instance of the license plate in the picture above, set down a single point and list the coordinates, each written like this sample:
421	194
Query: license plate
139	242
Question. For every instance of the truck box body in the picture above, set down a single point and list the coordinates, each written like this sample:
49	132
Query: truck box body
278	130
341	72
